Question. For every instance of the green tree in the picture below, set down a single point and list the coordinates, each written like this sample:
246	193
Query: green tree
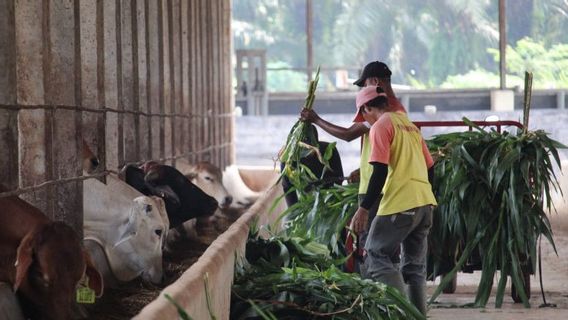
424	41
427	39
549	64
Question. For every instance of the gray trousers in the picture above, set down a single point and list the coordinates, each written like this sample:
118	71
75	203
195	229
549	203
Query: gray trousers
409	228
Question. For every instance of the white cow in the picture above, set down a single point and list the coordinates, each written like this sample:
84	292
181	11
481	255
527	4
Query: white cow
208	178
243	196
124	230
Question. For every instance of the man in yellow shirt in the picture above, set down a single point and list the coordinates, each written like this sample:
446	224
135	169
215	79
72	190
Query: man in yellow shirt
401	172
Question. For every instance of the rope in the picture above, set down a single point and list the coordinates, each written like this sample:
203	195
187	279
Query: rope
107	109
103	173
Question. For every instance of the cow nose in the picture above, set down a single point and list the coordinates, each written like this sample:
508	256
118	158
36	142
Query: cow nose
227	201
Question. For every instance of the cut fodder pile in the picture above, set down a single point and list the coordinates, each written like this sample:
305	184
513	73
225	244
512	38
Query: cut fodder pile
292	278
493	191
295	274
322	215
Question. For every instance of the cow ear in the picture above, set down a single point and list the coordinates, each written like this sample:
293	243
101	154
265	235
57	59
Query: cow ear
95	278
24	258
191	175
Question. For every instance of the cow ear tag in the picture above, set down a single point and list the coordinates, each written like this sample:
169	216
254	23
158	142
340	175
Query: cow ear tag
85	294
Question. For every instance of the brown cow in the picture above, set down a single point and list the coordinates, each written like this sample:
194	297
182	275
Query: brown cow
43	260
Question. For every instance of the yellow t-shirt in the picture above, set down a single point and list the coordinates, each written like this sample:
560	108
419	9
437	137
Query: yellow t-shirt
365	168
397	142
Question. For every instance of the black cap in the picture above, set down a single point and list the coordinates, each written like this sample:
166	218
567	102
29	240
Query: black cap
373	69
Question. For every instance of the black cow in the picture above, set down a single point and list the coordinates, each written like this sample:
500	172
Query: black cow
183	199
335	175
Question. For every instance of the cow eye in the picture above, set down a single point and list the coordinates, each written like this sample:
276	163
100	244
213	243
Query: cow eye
148	208
208	178
158	232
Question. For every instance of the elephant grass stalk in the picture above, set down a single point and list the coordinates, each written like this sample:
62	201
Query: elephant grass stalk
493	193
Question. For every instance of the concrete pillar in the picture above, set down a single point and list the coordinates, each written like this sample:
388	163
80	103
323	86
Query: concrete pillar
110	82
7	53
193	125
8	118
206	75
141	88
502	100
29	44
216	75
561	100
186	65
176	69
89	72
127	78
201	82
154	96
63	87
166	78
228	91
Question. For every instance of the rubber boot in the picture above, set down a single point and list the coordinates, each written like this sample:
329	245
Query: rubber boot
417	295
394	280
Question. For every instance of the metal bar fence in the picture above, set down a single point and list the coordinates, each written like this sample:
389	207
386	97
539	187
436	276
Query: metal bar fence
140	72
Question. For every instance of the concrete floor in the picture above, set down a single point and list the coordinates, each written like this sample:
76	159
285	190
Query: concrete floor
555	282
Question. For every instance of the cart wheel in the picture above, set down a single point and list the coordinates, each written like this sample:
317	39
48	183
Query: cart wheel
527	287
452	285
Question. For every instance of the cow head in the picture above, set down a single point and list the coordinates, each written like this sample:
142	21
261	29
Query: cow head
90	161
209	178
50	262
194	202
142	238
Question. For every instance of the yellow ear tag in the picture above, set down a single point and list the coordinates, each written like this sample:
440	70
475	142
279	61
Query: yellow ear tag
84	293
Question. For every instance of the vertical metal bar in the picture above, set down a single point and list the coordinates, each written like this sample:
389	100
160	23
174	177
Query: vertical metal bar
101	96
502	44
309	38
161	77
171	80
149	87
120	94
141	72
133	12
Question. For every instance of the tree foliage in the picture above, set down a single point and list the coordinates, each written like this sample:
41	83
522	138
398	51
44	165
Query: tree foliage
424	41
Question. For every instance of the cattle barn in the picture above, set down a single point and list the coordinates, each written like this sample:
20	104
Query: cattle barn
133	80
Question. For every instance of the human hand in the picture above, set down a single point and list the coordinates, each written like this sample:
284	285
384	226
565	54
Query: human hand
308	115
354	176
360	220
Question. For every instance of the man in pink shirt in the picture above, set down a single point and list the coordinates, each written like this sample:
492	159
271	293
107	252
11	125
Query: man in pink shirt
402	173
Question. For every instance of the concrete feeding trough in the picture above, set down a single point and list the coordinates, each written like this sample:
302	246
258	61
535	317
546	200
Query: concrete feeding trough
215	268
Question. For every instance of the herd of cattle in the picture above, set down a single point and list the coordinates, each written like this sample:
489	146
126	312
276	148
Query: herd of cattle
129	222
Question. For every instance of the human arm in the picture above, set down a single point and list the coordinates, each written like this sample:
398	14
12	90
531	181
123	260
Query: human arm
354	131
376	184
429	161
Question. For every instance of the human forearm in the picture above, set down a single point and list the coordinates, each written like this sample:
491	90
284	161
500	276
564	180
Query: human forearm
347	134
376	183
